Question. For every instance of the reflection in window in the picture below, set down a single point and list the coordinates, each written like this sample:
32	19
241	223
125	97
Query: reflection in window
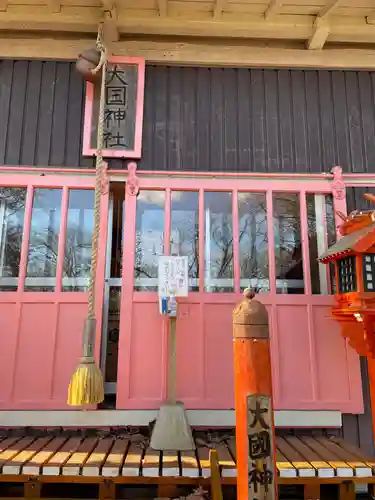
12	213
218	242
288	247
44	240
78	243
185	231
149	242
253	241
321	230
331	238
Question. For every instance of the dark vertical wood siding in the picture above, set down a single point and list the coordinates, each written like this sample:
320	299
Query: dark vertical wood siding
200	119
208	120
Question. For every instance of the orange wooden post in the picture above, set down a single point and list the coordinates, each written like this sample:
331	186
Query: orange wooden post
255	430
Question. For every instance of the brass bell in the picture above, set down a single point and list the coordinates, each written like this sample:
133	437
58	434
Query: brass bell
86	62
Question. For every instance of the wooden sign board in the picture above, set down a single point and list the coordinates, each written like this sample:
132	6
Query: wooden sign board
262	476
123	116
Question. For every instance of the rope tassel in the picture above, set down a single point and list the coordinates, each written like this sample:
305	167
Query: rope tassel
87	384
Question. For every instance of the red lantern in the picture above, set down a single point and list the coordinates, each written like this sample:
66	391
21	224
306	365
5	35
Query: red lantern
353	257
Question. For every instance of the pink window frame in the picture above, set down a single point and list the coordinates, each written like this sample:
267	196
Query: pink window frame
235	186
162	181
65	183
136	152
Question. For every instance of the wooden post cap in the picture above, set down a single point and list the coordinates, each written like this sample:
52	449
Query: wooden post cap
250	318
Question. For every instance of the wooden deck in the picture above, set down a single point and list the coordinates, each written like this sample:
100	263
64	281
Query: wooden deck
120	457
129	456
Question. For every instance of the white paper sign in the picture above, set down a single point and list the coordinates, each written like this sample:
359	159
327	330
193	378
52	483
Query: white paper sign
173	276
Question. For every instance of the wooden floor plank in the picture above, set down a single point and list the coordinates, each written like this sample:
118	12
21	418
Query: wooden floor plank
231	443
226	462
322	467
151	463
340	467
53	466
34	465
132	463
97	458
360	468
189	464
284	467
203	454
115	459
14	465
171	466
359	454
303	468
78	459
11	448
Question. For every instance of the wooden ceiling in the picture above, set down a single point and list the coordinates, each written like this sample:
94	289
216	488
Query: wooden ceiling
312	22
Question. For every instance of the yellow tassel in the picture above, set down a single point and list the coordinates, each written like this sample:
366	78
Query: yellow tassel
86	386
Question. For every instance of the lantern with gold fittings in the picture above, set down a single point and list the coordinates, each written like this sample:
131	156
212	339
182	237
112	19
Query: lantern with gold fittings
353	256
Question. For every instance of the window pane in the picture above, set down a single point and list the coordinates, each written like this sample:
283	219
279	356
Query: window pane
253	241
44	240
320	237
288	248
78	243
347	274
218	242
332	236
149	242
185	231
12	213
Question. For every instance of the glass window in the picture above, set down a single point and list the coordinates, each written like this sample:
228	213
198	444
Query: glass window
253	241
185	231
288	246
331	238
218	242
44	240
321	230
347	274
78	243
149	244
12	213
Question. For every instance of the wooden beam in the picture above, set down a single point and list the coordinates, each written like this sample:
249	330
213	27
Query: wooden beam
111	32
189	52
54	6
329	7
163	8
273	8
3	5
320	34
218	8
81	20
371	18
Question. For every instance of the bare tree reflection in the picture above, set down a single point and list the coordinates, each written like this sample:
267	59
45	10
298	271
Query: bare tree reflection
12	203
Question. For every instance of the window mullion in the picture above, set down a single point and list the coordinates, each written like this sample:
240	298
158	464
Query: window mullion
62	239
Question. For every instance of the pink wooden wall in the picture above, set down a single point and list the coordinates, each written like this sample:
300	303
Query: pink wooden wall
40	341
313	367
41	332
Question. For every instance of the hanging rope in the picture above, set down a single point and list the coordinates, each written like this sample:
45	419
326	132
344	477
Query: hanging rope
99	172
87	384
